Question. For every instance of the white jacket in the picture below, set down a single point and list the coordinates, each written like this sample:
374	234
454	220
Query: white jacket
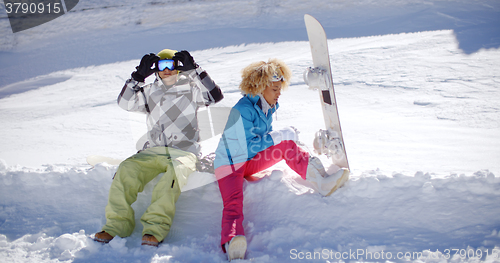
172	110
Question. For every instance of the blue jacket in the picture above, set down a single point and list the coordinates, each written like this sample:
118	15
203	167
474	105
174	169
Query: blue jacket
246	132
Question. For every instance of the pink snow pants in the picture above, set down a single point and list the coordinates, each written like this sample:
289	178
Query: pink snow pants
230	179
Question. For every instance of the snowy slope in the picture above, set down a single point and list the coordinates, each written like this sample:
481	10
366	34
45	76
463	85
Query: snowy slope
420	118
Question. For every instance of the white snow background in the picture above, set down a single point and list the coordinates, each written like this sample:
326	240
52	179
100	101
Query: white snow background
418	90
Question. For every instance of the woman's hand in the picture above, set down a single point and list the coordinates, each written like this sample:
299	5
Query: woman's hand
285	134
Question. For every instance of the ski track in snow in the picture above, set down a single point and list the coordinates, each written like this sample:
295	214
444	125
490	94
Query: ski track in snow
99	32
419	114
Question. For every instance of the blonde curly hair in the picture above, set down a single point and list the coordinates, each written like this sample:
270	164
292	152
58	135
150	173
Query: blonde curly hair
259	75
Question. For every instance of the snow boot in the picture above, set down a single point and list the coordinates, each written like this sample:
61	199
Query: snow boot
236	248
102	237
324	182
150	240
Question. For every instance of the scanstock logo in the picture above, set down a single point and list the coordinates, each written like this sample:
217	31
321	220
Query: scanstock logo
25	14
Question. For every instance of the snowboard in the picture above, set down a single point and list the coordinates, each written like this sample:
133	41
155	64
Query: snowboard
329	141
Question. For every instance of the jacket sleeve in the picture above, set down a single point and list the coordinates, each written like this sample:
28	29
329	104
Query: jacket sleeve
211	92
132	97
232	148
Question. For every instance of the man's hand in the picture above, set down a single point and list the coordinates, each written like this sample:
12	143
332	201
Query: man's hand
146	67
184	61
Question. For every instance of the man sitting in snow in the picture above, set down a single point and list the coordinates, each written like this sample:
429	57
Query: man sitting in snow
170	104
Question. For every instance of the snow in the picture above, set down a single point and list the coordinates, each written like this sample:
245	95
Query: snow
418	92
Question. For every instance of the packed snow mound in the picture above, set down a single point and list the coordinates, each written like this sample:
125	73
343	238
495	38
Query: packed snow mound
48	215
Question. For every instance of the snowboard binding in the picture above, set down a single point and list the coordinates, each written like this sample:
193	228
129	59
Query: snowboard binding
315	78
328	142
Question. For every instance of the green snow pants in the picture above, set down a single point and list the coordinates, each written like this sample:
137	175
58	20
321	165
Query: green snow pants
131	177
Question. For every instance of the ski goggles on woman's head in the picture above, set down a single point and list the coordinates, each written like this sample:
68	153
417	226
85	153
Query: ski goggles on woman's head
166	63
277	77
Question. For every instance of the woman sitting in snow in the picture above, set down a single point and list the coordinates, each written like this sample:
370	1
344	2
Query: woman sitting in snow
170	104
250	145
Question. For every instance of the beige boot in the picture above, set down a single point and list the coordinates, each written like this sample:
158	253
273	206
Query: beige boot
236	248
323	182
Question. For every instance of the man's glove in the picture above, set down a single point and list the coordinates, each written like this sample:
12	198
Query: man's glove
288	133
146	67
184	61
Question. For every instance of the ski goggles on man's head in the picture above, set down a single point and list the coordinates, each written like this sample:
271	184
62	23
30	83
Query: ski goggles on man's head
166	63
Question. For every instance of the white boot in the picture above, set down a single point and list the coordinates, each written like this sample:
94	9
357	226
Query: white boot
236	248
325	183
